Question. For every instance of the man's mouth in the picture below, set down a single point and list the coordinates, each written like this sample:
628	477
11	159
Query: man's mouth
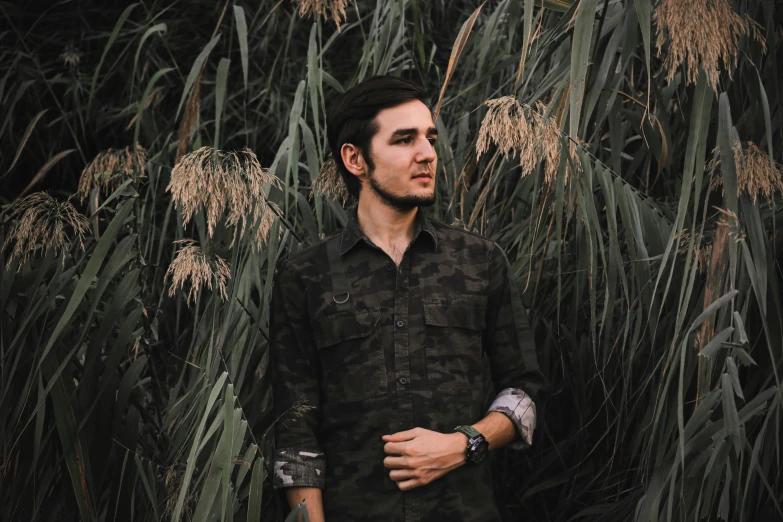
422	176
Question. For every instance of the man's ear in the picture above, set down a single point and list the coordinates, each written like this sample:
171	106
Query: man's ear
353	159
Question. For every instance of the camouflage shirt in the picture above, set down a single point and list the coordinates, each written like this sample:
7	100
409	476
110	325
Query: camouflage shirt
372	348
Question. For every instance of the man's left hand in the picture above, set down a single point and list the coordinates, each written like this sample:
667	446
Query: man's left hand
417	457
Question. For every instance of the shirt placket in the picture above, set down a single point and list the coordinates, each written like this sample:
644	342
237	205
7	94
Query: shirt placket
402	364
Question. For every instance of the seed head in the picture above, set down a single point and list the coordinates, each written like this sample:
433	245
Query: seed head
511	126
173	481
548	141
702	247
756	173
190	119
109	169
40	221
297	410
324	9
264	225
731	222
71	56
701	33
191	263
504	125
230	183
713	168
330	183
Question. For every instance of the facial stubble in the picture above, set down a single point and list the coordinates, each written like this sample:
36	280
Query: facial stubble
400	203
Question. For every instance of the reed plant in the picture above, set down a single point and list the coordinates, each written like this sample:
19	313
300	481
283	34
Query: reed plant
626	155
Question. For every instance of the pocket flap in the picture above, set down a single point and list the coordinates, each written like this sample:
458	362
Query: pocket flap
342	326
457	313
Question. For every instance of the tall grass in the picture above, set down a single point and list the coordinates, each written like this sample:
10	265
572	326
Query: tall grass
625	159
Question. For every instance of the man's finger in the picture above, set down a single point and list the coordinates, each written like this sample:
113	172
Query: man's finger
402	436
395	462
405	485
402	474
395	448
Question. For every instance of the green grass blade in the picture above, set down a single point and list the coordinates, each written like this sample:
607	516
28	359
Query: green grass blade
159	29
25	136
256	491
191	462
195	71
90	271
456	51
112	37
239	17
44	169
227	460
580	54
142	104
220	96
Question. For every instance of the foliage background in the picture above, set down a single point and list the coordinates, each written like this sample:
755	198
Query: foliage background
646	242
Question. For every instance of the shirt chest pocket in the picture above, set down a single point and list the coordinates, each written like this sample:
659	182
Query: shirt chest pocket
453	336
351	355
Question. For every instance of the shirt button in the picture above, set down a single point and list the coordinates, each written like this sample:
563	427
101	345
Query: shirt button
390	267
403	380
400	324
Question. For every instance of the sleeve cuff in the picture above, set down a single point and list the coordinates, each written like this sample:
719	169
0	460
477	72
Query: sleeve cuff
521	410
299	468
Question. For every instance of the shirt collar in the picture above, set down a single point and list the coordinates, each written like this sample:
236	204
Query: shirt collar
353	233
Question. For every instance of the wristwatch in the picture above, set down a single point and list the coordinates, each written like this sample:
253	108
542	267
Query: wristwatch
478	447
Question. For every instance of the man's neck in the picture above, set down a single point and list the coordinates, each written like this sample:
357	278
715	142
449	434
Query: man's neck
389	228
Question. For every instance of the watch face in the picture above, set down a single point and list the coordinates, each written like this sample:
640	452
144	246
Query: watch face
479	451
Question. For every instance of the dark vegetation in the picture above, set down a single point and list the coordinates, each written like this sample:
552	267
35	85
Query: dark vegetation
635	193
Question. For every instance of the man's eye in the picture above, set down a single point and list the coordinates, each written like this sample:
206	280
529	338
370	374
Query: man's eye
408	140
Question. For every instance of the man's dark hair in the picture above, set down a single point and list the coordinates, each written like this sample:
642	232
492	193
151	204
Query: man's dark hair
351	118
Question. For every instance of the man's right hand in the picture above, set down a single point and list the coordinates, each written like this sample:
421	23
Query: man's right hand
313	500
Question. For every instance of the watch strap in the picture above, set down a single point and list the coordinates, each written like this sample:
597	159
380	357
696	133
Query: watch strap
469	431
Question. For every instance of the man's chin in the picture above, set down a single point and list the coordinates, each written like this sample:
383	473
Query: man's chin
411	201
406	202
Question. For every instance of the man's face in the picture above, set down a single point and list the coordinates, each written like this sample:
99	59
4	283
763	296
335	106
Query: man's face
404	158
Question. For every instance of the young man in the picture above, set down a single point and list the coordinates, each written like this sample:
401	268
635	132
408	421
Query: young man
381	333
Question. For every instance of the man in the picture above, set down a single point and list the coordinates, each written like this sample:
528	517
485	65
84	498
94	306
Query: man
380	335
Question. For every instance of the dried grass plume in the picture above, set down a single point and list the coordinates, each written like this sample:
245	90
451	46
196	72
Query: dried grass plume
192	263
109	169
296	411
730	220
40	221
330	183
190	119
71	56
266	223
701	33
224	183
756	173
504	125
548	141
174	480
323	8
511	127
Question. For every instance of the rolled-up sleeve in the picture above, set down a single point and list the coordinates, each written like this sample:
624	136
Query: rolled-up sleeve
299	458
509	343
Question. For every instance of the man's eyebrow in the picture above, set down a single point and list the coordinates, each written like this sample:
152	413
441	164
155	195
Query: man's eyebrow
401	133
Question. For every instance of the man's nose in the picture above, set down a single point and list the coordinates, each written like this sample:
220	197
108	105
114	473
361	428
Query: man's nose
426	151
